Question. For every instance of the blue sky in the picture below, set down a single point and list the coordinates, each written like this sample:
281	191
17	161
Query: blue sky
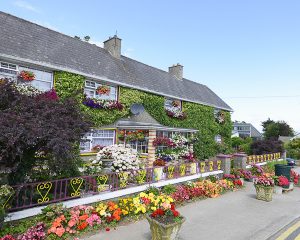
248	52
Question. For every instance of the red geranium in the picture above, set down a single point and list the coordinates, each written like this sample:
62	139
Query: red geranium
27	75
82	226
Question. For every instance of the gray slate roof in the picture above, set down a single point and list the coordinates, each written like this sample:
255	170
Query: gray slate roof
29	42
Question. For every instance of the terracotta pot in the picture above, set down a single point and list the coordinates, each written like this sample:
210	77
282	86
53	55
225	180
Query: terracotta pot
161	231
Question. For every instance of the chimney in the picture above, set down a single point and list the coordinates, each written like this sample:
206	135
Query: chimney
177	71
113	46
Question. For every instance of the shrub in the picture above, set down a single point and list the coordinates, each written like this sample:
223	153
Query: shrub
169	189
266	146
153	190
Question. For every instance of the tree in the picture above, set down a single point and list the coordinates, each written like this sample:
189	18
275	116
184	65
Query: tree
266	146
77	37
40	124
293	148
272	129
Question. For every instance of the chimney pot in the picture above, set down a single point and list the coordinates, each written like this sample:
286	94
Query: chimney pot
113	46
176	70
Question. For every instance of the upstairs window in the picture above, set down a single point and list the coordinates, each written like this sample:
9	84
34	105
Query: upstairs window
172	103
43	80
8	70
100	91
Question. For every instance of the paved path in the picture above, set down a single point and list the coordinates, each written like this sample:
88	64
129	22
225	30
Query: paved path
233	216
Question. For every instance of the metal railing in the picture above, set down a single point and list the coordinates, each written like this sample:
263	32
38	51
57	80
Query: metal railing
41	193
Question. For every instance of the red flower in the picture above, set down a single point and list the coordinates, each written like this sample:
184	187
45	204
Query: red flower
107	229
82	226
175	213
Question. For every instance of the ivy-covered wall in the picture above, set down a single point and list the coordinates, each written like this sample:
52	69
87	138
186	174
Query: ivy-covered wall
199	117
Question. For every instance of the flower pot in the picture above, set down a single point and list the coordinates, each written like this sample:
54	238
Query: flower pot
160	231
286	186
158	173
277	190
264	193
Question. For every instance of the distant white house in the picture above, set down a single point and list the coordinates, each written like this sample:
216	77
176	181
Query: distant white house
286	139
244	130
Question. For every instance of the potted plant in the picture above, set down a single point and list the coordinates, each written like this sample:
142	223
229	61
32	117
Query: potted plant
118	158
27	76
295	178
158	165
165	223
103	90
264	186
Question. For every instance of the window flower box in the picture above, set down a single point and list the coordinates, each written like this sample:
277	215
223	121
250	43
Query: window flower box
103	104
103	90
27	76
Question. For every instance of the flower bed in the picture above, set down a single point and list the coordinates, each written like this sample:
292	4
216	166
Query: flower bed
57	222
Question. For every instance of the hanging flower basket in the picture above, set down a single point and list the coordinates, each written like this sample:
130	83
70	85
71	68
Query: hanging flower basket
176	103
103	90
102	104
220	117
175	112
27	76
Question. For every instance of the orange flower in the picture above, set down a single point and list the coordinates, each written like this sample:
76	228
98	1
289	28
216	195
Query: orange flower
83	217
82	226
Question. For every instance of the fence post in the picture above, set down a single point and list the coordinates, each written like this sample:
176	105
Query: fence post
284	155
240	160
226	163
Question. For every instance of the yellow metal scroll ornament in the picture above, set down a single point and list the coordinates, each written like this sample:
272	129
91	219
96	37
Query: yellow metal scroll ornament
265	158
182	169
249	158
123	179
6	203
141	177
101	181
219	162
76	185
171	171
202	167
211	165
44	189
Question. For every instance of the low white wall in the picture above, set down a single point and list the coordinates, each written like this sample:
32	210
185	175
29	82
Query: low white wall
106	195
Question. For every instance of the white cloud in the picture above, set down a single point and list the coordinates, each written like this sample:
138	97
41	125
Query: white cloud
128	52
26	6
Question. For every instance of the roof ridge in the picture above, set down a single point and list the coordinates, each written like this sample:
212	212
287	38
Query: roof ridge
164	71
52	30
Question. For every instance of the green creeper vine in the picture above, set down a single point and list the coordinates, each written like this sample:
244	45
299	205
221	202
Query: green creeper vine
199	117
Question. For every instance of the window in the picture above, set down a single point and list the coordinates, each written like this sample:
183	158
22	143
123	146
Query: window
97	137
140	146
91	91
43	80
218	139
172	103
8	70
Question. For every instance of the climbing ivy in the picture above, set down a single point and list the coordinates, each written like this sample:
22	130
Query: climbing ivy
199	117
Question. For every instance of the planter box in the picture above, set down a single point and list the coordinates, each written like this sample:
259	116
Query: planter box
264	193
161	231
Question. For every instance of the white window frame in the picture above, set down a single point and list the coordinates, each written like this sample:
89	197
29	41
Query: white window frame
21	68
96	84
12	72
89	137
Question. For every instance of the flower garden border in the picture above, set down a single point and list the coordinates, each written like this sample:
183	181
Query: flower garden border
107	195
